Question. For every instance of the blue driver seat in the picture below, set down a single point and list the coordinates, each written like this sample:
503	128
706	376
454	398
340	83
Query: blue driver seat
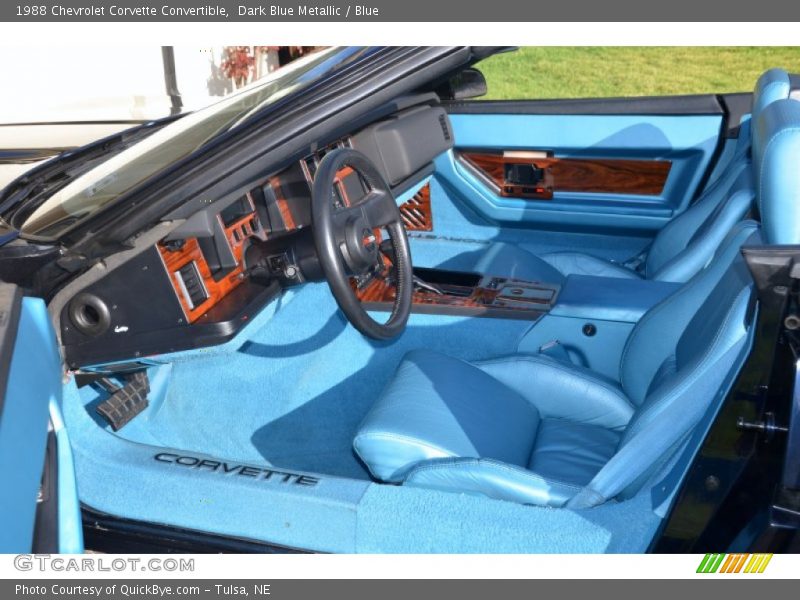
538	430
684	245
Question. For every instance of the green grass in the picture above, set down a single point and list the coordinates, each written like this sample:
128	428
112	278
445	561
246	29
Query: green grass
594	72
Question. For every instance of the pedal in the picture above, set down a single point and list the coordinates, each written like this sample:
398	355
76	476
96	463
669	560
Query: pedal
125	402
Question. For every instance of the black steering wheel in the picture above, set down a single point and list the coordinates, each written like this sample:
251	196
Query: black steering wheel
346	243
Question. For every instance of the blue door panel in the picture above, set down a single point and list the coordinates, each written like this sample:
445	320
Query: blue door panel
688	141
70	528
34	387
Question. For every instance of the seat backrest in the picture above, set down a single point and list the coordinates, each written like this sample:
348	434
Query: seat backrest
776	157
651	353
687	243
773	85
709	341
776	154
682	350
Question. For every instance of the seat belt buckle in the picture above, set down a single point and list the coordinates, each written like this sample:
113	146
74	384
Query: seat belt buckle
556	350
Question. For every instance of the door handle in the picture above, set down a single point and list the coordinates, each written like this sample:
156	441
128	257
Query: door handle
527	180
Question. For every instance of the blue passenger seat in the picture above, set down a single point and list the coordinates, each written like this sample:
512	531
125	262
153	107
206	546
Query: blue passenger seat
684	245
538	430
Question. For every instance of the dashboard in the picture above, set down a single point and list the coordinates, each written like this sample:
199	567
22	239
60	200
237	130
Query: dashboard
203	271
213	273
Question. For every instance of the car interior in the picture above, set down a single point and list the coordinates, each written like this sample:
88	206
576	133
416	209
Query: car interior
463	326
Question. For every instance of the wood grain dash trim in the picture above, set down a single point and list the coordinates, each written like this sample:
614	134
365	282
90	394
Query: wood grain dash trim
237	234
283	205
416	212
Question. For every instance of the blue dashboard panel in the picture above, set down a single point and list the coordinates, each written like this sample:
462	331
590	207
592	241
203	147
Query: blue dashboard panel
688	141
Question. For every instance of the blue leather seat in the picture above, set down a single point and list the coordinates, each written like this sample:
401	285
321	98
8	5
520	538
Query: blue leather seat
772	140
683	246
539	430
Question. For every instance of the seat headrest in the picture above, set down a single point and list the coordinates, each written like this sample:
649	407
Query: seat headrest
776	161
773	85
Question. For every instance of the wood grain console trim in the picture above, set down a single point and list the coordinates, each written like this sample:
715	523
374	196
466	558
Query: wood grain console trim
379	294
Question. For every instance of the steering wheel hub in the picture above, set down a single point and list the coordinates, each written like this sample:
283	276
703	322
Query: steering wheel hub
360	254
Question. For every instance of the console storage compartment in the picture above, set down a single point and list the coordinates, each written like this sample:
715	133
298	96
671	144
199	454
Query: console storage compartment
592	319
610	299
462	293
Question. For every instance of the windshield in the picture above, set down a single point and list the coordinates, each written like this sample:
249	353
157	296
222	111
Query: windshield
96	188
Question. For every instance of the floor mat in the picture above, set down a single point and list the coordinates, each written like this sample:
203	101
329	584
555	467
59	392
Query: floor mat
294	393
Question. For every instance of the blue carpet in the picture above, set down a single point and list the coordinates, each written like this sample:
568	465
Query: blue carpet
429	521
294	392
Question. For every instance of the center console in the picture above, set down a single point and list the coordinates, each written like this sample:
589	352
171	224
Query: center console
438	291
589	317
611	298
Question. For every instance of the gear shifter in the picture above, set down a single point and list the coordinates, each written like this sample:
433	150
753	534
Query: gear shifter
420	284
387	249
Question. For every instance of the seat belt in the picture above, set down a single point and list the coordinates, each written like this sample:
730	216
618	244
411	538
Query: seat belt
636	263
555	349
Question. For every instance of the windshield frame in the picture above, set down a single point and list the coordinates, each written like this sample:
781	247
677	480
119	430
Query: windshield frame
297	81
354	91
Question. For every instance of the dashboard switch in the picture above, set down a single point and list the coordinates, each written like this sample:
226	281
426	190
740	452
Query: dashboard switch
192	285
277	263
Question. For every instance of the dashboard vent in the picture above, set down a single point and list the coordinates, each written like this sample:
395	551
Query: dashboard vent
192	285
416	212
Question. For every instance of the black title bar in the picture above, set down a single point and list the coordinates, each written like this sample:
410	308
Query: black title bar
279	589
399	10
